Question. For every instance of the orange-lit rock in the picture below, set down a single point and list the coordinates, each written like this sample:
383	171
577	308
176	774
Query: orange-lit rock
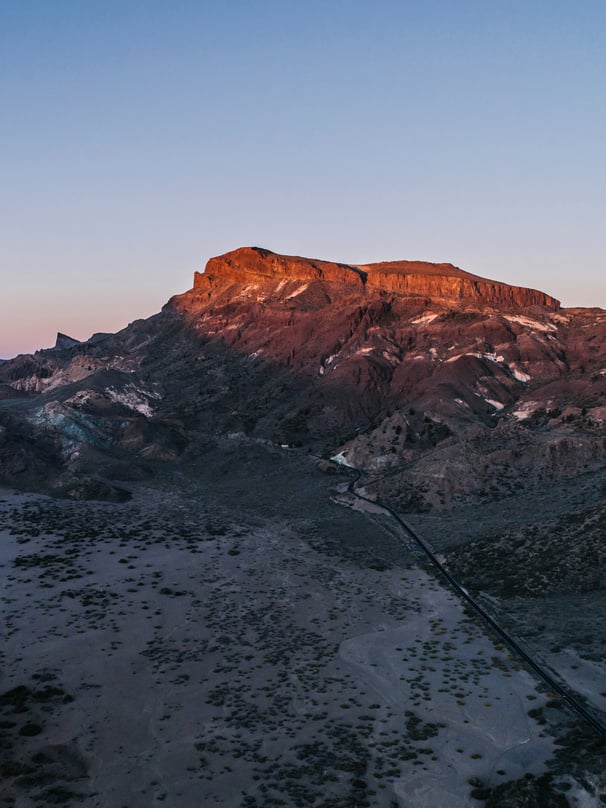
269	272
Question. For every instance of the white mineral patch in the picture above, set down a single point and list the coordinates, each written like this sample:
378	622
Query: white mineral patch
342	460
529	322
520	375
526	410
491	357
132	398
297	291
424	318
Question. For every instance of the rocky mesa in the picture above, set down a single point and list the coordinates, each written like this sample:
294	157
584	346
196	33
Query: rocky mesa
263	268
220	580
458	387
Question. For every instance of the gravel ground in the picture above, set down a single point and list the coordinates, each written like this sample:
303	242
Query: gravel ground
213	642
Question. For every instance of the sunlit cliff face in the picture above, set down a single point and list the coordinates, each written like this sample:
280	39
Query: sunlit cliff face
269	273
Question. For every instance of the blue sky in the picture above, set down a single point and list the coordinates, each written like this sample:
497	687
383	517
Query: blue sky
140	138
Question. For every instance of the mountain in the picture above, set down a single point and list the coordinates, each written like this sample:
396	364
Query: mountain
63	341
284	648
410	367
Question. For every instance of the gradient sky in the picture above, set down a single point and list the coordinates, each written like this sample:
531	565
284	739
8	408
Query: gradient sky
140	138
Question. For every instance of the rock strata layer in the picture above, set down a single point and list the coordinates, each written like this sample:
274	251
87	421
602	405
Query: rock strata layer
253	265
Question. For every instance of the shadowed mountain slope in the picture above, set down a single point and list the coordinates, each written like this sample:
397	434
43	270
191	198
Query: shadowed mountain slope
395	366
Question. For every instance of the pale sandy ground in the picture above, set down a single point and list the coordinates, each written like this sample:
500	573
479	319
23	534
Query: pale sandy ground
217	661
485	708
584	676
564	630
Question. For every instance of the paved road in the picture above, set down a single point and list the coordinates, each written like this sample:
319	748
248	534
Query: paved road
540	671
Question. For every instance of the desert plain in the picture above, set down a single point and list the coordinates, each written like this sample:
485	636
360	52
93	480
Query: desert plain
243	632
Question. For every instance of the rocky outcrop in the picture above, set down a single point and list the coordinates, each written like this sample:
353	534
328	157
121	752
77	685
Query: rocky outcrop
63	342
253	265
447	282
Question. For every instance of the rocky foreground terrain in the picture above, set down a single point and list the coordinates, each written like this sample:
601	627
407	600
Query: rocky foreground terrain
207	617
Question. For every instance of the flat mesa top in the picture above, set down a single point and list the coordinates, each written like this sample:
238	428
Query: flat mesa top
420	268
251	258
405	278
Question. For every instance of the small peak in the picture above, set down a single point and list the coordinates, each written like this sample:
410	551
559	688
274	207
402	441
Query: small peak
63	342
